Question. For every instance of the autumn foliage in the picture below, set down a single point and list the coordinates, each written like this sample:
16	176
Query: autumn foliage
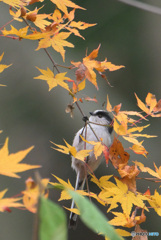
119	195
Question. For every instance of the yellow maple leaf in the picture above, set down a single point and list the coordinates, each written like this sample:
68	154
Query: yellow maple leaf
65	186
21	33
155	202
108	106
16	15
152	107
2	66
32	193
74	210
63	4
6	203
58	42
38	19
156	173
98	148
80	155
120	219
10	163
113	194
54	80
81	25
139	149
13	3
64	194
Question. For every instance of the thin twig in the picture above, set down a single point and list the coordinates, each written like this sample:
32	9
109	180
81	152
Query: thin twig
7	24
150	179
143	6
51	59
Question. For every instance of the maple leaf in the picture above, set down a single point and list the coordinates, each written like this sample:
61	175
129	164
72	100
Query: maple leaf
121	219
155	202
81	155
13	3
6	203
119	193
103	182
38	19
16	15
65	186
10	163
85	69
139	149
128	176
87	66
156	173
53	80
58	42
81	25
32	193
98	148
2	66
21	32
117	154
152	107
63	4
108	106
64	194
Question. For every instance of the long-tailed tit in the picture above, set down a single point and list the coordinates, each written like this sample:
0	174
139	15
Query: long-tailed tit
99	127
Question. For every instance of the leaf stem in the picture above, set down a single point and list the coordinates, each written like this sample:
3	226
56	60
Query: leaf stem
6	24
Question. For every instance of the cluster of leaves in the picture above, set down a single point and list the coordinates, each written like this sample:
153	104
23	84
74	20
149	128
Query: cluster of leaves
123	193
118	195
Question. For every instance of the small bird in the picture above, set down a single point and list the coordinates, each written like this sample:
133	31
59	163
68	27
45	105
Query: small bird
99	127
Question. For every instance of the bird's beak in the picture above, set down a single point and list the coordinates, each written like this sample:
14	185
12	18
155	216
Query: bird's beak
91	113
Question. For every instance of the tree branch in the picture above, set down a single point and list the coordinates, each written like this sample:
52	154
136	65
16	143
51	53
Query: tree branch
143	6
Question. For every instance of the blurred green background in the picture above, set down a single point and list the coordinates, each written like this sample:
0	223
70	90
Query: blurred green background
30	115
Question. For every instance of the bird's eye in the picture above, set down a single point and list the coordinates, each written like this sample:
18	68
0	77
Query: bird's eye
100	116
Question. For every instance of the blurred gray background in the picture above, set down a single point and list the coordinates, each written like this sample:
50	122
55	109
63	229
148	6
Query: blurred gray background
30	115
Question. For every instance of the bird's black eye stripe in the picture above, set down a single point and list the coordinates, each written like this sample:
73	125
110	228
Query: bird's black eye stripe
104	114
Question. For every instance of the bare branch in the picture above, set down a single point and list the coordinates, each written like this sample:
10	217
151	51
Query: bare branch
143	6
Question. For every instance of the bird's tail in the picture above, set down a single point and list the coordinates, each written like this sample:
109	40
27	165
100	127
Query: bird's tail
73	217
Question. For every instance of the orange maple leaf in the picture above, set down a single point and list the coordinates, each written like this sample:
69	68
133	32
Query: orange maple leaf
6	203
10	163
117	154
32	193
87	66
128	176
